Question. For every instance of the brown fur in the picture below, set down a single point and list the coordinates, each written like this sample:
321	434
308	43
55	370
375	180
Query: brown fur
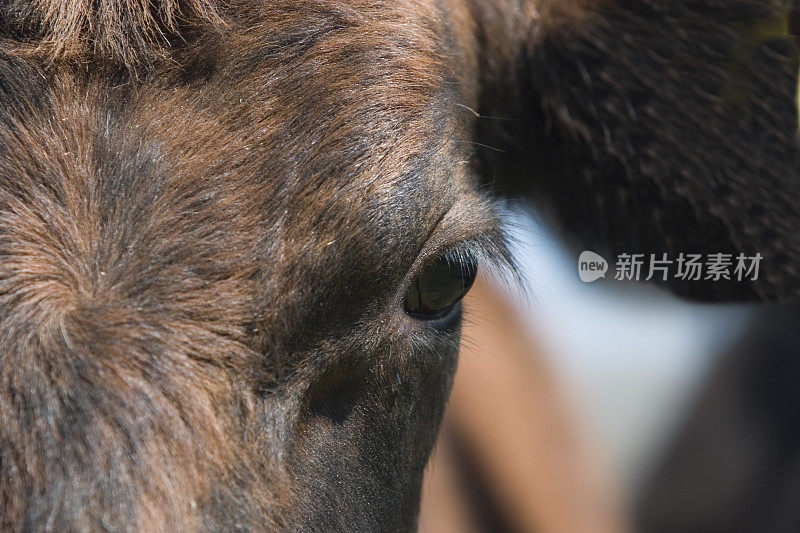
209	216
117	29
155	281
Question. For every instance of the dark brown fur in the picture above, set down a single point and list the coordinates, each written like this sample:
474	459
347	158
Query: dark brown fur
170	249
208	218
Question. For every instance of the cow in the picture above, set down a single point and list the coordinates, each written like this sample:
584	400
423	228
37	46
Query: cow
234	235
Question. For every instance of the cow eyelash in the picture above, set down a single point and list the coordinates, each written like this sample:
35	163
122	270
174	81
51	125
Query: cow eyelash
438	288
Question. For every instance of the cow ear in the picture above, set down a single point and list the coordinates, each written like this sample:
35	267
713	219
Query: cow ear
649	127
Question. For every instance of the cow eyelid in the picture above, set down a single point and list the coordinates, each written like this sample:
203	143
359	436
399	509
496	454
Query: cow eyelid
440	285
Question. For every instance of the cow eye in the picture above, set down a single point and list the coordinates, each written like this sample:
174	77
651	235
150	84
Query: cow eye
440	286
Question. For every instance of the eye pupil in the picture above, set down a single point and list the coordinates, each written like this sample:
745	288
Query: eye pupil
440	286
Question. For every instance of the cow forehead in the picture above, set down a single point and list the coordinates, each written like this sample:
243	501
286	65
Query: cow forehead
317	148
343	118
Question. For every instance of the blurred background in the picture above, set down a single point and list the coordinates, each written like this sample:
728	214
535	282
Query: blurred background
631	356
597	407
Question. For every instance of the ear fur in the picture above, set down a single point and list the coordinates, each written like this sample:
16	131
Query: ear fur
650	127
